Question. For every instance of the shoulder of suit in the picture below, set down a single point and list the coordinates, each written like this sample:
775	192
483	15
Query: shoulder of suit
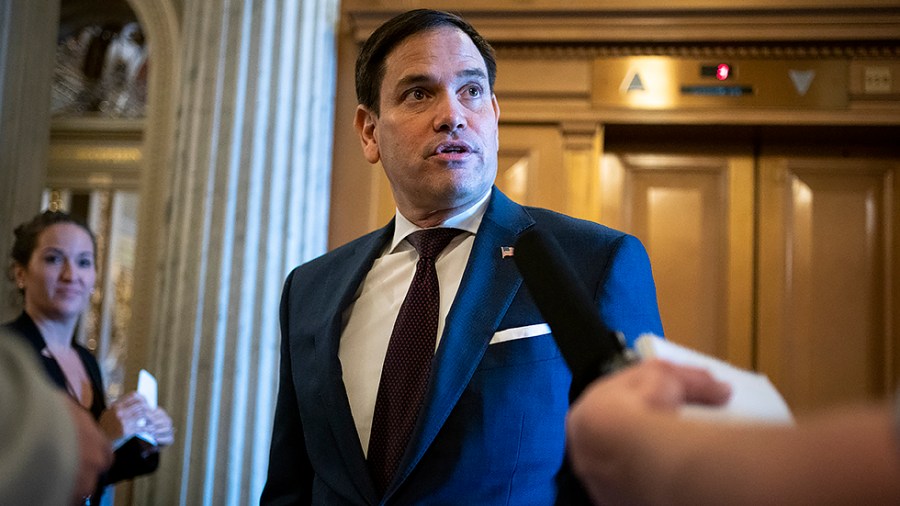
563	223
368	246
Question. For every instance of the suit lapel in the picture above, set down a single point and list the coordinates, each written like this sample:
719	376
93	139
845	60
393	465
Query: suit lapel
488	286
332	392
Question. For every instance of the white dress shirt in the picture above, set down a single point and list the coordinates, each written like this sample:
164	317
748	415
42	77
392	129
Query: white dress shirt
370	318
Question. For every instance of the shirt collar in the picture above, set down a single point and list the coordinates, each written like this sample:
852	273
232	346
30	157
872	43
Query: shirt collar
469	220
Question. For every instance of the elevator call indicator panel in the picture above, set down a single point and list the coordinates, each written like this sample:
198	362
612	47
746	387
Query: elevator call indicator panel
663	82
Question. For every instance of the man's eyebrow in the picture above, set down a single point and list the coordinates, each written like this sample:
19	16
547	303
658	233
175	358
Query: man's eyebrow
426	78
473	72
414	79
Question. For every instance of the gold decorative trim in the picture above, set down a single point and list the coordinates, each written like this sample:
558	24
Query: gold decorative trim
583	51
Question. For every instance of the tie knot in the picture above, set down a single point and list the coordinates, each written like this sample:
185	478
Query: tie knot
430	242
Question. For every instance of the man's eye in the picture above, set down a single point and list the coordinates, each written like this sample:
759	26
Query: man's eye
474	91
417	94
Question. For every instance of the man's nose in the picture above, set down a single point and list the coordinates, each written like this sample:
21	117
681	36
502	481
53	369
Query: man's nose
450	114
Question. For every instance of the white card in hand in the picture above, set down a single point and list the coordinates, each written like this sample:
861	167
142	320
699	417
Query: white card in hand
753	397
147	387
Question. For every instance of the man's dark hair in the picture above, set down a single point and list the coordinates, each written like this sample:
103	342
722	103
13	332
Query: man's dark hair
370	64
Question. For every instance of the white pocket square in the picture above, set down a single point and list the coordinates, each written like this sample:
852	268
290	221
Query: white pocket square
520	333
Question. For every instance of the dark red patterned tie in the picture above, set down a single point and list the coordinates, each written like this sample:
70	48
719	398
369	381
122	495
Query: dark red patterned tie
407	364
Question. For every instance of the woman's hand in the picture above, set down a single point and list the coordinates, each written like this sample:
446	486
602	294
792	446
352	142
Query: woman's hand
160	426
128	415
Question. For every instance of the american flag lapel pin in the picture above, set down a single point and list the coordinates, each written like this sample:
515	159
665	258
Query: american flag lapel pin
506	251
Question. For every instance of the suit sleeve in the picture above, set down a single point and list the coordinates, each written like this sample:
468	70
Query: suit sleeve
289	479
627	293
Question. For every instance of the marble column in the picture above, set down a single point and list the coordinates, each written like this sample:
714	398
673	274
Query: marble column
247	201
27	59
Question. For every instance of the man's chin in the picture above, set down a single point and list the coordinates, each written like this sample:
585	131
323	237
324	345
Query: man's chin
463	197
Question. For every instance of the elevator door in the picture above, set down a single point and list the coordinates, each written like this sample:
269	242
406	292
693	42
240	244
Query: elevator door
772	248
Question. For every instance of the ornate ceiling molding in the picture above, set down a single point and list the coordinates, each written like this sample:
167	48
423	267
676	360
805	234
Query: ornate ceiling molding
512	27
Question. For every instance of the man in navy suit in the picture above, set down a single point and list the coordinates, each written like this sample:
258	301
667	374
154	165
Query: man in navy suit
490	429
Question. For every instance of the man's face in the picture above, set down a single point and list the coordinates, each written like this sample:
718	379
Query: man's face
436	135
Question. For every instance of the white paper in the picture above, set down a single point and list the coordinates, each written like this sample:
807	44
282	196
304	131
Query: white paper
753	397
147	386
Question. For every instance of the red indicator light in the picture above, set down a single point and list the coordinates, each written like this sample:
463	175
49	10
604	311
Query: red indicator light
723	71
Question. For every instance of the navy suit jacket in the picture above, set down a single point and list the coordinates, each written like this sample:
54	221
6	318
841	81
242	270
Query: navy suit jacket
491	430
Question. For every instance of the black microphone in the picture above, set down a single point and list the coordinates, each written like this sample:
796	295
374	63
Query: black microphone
588	346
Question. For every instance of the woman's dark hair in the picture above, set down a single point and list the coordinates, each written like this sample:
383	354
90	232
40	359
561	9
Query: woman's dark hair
370	64
27	235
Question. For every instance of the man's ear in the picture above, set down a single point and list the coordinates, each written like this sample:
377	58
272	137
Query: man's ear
364	122
19	274
496	105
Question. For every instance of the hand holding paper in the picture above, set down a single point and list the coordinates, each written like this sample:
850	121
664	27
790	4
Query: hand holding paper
753	397
633	439
137	414
159	424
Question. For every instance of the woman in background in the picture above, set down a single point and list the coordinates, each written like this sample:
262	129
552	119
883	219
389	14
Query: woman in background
53	265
